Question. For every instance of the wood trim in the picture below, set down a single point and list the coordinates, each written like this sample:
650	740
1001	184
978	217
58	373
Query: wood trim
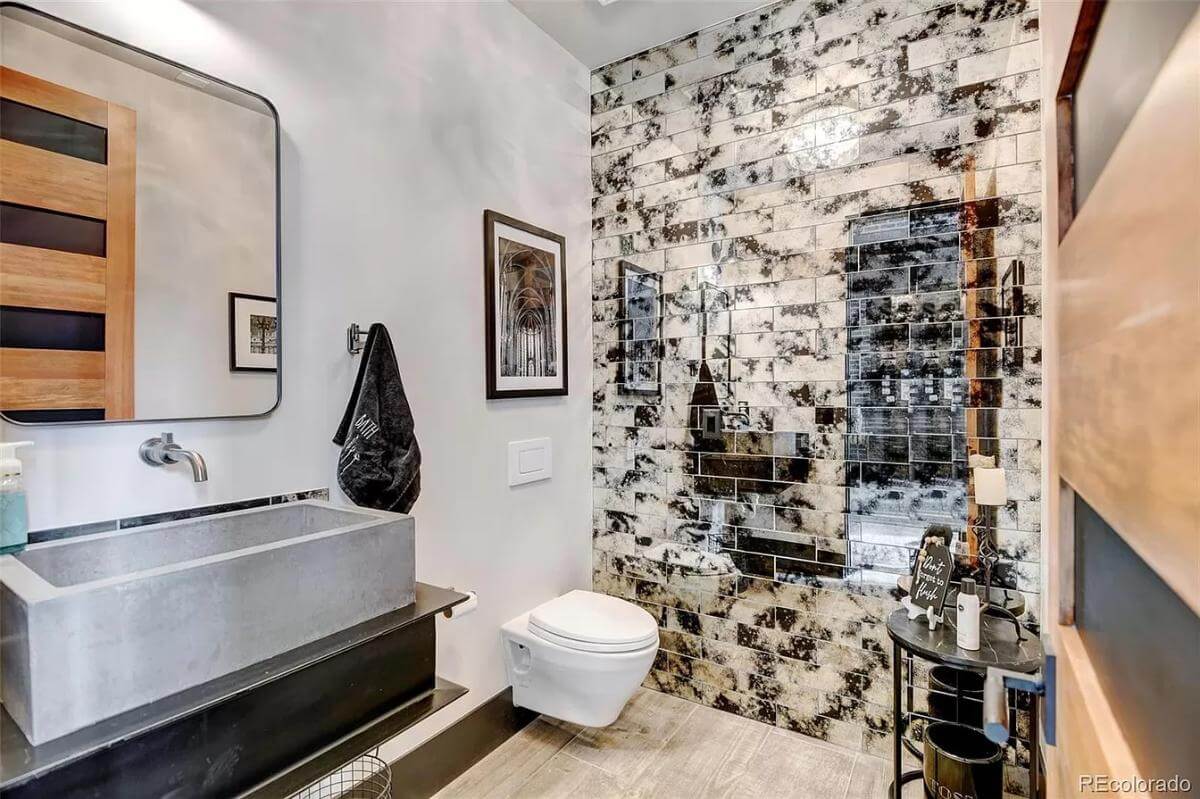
970	278
1064	564
31	277
1090	740
32	364
1086	25
44	379
48	394
46	179
1065	139
120	249
27	89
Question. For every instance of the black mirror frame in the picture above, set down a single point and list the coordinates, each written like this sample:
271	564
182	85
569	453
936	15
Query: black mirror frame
278	227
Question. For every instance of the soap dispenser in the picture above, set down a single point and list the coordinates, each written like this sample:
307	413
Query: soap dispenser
968	616
14	515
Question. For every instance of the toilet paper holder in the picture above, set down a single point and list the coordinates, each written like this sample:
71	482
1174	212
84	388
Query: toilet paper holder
462	608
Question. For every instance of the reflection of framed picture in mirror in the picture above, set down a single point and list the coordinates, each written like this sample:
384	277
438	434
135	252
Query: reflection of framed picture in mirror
526	309
641	312
253	333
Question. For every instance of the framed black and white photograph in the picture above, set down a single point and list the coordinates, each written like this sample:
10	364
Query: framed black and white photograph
525	276
641	315
253	333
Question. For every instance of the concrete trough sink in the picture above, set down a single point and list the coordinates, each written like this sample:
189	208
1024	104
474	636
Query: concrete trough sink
97	625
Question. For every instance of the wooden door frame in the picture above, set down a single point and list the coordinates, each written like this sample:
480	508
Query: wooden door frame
121	257
1064	105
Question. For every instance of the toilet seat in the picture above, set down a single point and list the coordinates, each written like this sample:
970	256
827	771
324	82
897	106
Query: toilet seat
592	646
589	622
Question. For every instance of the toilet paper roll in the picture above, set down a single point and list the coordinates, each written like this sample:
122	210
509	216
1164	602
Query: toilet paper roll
463	608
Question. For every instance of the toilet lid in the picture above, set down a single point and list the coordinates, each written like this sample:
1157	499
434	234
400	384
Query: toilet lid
590	618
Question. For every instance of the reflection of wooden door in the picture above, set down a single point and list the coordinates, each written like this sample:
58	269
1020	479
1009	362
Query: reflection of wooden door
67	199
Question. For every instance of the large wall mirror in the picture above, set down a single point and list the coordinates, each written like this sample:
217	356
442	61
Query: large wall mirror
139	233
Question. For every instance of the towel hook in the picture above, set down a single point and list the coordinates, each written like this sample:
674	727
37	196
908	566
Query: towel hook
354	336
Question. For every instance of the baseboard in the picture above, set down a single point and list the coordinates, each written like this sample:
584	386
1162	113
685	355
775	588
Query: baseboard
434	764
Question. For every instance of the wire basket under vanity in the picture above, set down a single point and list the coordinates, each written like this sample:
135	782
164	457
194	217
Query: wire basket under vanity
365	777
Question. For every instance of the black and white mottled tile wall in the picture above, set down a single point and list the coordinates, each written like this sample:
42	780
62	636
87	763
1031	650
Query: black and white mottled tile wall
825	218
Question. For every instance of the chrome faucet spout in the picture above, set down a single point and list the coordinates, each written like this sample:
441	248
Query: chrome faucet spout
163	450
195	459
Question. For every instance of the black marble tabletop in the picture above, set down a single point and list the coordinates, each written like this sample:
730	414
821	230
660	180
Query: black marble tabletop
998	645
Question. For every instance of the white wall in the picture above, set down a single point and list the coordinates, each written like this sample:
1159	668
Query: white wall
205	223
401	123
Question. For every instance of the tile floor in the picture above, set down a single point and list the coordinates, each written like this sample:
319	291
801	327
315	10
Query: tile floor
664	746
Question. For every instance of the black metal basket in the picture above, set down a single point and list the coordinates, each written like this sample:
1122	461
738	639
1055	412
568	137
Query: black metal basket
366	777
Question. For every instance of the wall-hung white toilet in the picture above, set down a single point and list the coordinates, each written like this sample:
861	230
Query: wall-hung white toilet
579	657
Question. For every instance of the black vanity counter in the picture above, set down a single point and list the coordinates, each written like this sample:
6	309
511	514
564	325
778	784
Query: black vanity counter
263	731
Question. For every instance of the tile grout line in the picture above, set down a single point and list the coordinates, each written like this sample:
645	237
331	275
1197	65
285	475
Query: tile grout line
850	776
633	778
538	770
762	742
578	759
686	719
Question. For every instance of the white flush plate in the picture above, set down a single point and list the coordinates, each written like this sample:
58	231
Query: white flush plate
529	461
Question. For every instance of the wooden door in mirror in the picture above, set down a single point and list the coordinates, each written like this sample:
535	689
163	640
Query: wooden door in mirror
67	232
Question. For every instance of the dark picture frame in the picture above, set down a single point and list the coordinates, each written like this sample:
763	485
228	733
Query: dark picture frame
641	329
239	357
542	316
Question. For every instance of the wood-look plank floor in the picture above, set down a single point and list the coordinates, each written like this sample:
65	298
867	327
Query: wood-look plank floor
664	747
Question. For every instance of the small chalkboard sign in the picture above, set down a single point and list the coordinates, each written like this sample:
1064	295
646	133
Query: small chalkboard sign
931	577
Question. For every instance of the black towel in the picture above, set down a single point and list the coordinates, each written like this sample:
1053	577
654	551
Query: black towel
380	464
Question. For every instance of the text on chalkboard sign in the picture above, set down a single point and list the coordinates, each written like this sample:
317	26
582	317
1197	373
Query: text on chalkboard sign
931	577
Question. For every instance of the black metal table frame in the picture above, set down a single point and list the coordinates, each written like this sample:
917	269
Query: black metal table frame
900	718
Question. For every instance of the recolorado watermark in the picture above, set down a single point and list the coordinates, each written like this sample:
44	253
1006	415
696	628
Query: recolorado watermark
1104	783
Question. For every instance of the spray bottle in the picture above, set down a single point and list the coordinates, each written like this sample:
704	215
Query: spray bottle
14	515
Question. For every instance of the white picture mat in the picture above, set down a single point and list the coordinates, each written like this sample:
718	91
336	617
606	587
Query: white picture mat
555	249
243	309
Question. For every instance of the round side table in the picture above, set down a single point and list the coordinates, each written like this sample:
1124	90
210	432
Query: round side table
998	646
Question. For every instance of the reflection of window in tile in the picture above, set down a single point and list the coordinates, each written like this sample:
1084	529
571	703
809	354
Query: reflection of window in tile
641	315
906	380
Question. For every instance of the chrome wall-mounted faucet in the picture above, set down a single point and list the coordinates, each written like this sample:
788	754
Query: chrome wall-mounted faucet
164	450
736	420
